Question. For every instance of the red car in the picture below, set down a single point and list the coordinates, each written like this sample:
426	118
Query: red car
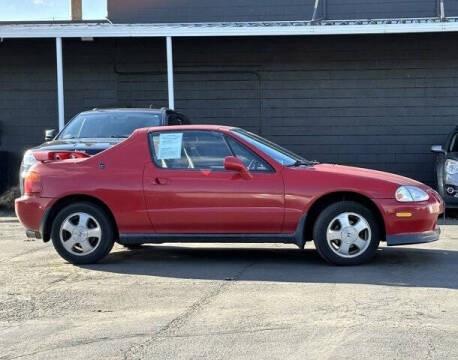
218	184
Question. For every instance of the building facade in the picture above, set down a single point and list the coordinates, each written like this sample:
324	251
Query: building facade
368	98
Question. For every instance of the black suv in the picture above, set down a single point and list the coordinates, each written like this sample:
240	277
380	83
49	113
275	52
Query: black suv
98	129
447	169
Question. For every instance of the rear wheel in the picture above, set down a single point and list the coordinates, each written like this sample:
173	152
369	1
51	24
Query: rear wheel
346	233
82	233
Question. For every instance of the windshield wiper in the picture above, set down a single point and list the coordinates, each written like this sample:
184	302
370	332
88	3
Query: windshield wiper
304	162
119	136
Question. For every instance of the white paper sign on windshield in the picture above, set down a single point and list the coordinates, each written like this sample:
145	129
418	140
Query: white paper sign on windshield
170	146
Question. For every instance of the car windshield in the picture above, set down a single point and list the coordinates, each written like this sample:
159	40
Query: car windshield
108	124
276	152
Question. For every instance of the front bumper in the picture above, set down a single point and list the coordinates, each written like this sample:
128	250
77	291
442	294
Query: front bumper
412	223
415	238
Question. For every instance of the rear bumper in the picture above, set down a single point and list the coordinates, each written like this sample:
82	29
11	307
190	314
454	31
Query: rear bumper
415	238
30	211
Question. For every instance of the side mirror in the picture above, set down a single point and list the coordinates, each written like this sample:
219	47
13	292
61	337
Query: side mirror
50	134
438	149
231	163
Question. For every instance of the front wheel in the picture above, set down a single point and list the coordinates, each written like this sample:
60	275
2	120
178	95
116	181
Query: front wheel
82	233
346	233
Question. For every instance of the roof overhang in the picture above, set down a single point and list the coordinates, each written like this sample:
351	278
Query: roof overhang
283	28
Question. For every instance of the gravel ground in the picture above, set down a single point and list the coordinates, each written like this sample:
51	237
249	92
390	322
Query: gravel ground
227	302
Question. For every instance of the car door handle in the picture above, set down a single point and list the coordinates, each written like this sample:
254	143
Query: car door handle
160	181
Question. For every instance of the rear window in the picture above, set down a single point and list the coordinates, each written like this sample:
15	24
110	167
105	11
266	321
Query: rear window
108	125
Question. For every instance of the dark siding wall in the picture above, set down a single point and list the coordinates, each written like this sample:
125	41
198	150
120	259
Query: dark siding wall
28	100
146	11
371	101
157	11
451	7
27	95
380	9
89	79
216	82
141	72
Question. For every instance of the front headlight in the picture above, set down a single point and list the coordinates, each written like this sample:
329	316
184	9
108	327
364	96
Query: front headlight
451	167
27	162
410	193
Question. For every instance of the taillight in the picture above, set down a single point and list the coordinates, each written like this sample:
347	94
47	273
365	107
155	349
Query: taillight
32	183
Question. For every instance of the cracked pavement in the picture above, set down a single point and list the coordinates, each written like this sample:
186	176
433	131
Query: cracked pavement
214	301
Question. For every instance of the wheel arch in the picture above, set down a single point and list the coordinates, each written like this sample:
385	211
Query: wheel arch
46	224
325	200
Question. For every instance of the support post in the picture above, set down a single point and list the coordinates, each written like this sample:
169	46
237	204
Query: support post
170	72
60	83
315	10
442	10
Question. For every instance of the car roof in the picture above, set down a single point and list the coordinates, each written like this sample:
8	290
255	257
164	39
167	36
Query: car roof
127	110
185	127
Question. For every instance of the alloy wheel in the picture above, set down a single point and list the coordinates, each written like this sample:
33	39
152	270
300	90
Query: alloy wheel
80	233
348	235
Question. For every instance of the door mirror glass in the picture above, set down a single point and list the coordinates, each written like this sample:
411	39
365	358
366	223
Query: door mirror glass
50	134
231	163
438	149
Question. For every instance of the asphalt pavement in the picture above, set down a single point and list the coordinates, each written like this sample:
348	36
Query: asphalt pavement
216	301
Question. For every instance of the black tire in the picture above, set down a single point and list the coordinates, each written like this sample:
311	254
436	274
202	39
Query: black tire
324	220
107	233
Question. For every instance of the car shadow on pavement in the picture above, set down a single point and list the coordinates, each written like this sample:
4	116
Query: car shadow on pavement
391	266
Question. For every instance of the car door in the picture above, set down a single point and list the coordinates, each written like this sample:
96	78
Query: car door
187	189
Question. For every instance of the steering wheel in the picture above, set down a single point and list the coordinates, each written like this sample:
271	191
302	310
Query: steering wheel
253	165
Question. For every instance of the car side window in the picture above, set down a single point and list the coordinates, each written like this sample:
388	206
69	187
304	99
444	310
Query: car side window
190	149
251	160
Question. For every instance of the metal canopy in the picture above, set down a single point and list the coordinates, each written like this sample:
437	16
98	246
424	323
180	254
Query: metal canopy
266	28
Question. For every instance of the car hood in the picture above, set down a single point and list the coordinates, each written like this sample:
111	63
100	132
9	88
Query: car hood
321	179
89	146
367	174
